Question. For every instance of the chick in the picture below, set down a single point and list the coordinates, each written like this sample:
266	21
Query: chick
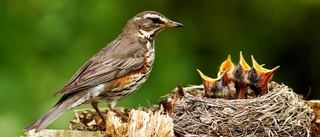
241	77
214	88
226	68
259	78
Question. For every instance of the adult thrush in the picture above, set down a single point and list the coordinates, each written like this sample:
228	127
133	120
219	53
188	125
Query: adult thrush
115	72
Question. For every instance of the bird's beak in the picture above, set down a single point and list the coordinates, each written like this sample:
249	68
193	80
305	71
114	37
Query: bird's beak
207	83
227	65
264	75
173	24
263	71
244	65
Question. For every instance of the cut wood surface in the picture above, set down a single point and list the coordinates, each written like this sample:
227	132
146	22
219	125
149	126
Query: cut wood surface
64	133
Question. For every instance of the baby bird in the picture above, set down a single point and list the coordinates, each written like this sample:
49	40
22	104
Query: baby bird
259	78
214	88
227	67
241	77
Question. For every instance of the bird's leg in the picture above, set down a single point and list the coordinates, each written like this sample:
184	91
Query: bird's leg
101	125
124	117
95	106
111	105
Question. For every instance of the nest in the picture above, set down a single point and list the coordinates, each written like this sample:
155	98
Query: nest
281	112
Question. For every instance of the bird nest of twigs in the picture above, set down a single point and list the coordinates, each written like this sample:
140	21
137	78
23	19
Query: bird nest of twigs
281	112
185	112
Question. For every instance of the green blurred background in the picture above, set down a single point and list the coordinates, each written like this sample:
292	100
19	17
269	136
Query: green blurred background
44	42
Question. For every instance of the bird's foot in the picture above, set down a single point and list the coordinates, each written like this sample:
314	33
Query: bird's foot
124	117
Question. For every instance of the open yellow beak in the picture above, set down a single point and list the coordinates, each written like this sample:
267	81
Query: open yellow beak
263	71
227	65
243	63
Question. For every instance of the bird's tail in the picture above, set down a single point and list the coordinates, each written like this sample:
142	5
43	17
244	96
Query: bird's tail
66	103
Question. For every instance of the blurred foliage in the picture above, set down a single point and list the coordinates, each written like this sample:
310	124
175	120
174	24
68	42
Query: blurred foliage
44	42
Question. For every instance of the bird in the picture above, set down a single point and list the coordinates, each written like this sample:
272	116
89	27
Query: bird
241	81
259	78
115	72
228	79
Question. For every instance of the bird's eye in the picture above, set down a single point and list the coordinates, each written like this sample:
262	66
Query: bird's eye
217	86
238	72
253	76
156	20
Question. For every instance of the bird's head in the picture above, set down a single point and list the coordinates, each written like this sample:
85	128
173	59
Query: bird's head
150	23
259	76
227	68
241	70
227	65
211	86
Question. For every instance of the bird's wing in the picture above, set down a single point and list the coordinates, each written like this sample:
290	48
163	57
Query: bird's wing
110	63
